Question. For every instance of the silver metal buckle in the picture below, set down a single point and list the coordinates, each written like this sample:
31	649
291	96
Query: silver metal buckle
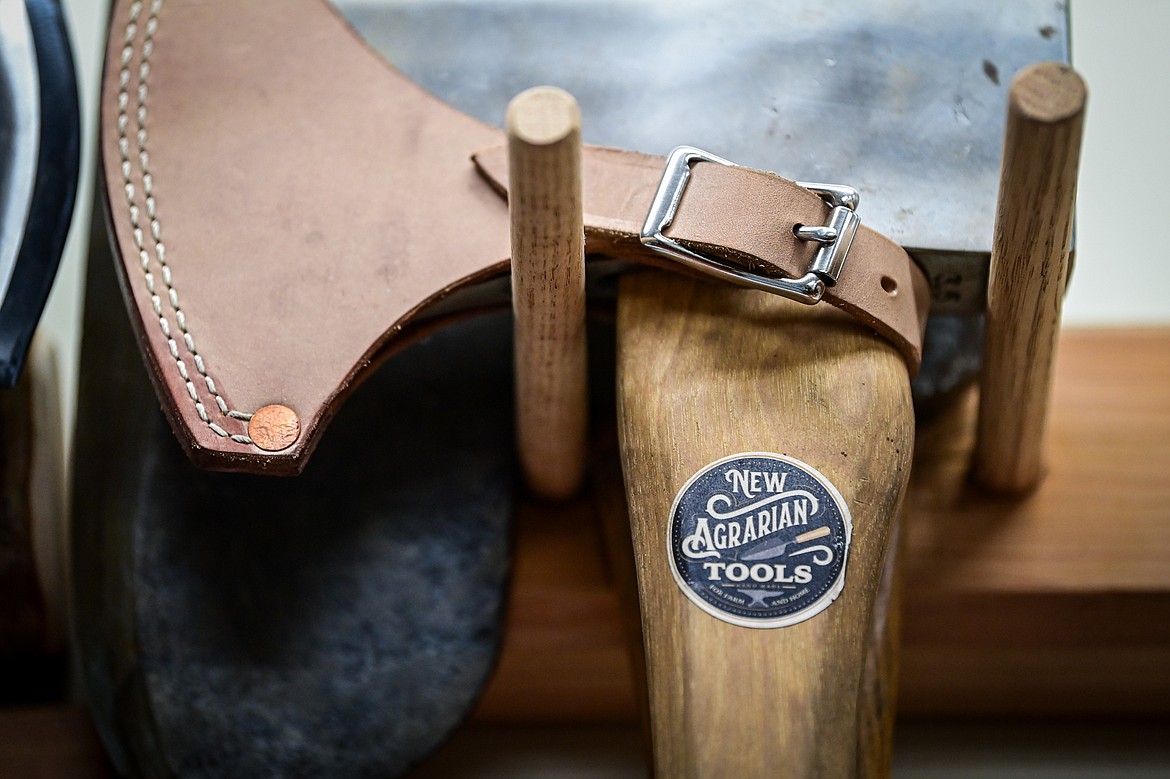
835	238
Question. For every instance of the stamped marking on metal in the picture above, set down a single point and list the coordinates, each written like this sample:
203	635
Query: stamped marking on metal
759	540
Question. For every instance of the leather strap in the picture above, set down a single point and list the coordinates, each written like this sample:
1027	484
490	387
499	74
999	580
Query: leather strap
746	216
287	210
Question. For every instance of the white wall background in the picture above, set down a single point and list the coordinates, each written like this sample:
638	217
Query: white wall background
1119	47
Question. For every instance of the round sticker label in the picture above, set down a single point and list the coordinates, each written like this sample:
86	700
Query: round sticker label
759	540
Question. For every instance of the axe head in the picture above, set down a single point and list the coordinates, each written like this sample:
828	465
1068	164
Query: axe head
902	100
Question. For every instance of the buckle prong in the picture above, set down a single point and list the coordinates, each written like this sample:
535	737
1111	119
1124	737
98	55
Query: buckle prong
818	233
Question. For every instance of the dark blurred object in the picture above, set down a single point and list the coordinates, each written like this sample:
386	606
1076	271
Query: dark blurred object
39	150
40	143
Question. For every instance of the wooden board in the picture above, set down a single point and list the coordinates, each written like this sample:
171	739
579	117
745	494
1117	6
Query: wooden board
51	742
1053	605
1057	603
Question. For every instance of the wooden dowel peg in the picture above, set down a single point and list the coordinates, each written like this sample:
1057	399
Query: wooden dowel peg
1029	268
548	288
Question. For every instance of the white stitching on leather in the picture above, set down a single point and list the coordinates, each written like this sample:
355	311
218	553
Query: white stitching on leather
155	226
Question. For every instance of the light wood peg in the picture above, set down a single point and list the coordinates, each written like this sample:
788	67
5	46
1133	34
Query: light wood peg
1029	269
548	288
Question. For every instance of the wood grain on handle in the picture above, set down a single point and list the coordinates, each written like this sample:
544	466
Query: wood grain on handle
548	288
1029	269
705	371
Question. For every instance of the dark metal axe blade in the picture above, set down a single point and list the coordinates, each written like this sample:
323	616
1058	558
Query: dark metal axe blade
902	100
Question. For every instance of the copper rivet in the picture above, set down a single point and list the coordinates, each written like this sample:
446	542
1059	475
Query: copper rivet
274	427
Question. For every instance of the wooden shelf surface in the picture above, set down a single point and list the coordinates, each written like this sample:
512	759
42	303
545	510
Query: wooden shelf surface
50	742
1057	603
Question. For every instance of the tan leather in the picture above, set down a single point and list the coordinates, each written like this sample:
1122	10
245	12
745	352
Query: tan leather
288	209
746	216
310	200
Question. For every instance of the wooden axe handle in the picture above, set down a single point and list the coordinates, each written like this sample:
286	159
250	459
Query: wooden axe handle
705	371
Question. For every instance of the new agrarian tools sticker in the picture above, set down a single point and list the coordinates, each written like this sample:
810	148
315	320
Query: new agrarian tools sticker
759	540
